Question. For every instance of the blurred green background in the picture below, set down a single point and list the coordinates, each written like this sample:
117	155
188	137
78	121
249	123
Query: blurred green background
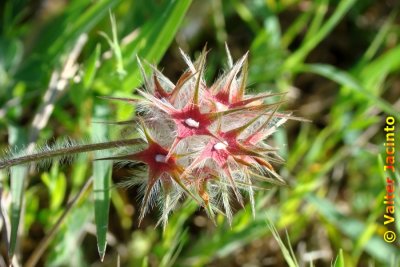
337	60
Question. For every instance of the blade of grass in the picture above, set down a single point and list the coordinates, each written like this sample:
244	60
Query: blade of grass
45	242
115	46
174	249
298	56
153	40
102	180
90	68
320	12
57	87
375	73
246	15
219	22
177	222
287	253
379	39
17	180
83	24
339	261
4	223
80	18
345	79
295	28
353	228
225	240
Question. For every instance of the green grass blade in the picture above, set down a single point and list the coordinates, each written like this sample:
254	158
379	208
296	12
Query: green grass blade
84	23
101	183
80	18
175	247
339	262
246	15
115	47
353	228
375	73
225	240
287	253
17	179
345	79
90	68
153	40
295	28
319	14
378	40
299	56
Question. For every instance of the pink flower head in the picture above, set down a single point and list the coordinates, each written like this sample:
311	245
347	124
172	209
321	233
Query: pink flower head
210	141
161	169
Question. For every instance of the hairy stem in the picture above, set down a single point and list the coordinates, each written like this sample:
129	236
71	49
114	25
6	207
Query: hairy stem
75	149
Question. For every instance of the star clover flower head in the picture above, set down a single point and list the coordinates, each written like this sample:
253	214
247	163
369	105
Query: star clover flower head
206	142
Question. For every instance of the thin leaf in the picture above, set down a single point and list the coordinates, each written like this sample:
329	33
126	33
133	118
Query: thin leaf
287	253
153	40
17	180
295	28
58	39
74	226
320	12
339	262
101	183
379	39
90	70
345	79
84	23
115	46
353	228
377	70
299	56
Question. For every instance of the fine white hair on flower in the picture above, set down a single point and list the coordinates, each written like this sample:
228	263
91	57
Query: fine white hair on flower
208	142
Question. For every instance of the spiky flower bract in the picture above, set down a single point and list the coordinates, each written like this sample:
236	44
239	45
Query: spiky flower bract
205	142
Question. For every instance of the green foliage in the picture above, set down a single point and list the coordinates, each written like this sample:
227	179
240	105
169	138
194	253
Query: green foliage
17	178
333	201
101	182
